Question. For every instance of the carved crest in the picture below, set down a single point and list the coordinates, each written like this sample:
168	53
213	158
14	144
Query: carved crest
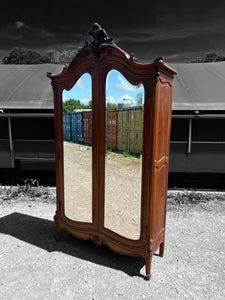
99	37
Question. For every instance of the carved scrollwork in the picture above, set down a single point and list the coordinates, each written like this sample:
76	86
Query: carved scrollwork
157	76
65	67
98	240
158	164
49	74
159	60
133	58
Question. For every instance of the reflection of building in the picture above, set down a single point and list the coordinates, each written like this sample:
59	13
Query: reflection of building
26	122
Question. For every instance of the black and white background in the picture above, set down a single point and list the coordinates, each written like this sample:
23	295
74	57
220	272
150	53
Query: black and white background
178	30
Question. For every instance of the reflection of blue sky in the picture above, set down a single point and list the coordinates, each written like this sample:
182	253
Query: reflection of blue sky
118	89
81	90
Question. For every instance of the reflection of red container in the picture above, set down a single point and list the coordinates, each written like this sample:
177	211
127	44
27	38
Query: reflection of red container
111	128
87	127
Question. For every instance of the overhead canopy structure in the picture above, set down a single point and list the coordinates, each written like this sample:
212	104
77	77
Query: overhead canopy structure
196	86
26	86
199	87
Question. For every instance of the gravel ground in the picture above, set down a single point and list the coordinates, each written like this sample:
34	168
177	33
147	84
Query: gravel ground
34	266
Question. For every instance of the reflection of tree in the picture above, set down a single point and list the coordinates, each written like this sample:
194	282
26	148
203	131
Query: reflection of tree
71	104
90	104
111	105
139	98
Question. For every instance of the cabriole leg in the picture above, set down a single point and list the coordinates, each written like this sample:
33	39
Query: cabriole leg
59	229
148	262
59	233
161	249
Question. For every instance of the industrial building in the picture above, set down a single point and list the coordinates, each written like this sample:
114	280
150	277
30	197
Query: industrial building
26	123
197	143
197	147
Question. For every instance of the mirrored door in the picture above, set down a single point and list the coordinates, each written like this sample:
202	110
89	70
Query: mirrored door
77	148
123	156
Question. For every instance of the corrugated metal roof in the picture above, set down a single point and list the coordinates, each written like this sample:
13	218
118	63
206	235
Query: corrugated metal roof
26	86
196	86
199	86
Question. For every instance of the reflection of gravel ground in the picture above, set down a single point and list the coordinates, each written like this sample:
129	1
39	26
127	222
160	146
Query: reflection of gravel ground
122	189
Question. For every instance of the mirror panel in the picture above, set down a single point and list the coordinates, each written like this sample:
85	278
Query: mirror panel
78	151
123	157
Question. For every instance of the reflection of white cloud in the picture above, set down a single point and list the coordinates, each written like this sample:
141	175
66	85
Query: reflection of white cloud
65	97
111	99
126	99
80	85
84	101
124	86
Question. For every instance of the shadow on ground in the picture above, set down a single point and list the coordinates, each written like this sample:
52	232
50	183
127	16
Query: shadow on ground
41	233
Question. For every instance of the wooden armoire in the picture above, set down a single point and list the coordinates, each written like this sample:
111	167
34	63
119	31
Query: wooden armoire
97	58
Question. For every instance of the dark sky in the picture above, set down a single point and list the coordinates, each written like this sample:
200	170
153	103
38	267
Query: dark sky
178	30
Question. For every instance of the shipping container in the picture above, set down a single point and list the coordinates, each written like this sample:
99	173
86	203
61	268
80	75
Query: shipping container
111	128
129	129
135	130
76	127
87	126
67	127
122	130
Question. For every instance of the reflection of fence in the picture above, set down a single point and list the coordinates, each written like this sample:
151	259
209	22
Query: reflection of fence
123	128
